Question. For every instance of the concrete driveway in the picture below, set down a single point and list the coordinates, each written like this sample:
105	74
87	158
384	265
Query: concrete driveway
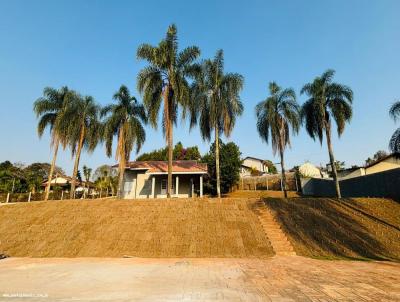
135	279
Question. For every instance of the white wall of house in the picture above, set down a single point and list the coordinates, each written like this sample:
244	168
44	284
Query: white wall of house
387	164
356	173
139	185
255	163
59	180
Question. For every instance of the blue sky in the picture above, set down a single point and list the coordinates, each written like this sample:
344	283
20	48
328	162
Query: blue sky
91	47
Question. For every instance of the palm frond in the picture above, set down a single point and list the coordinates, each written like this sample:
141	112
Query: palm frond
276	115
394	144
394	111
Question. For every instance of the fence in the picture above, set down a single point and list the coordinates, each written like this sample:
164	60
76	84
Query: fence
382	184
267	182
58	195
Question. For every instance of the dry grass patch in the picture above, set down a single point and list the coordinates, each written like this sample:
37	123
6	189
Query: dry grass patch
260	194
148	228
361	228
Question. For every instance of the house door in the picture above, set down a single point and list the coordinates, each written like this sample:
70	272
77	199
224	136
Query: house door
164	187
129	188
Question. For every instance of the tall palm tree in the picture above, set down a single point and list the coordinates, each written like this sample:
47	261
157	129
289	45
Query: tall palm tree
125	120
165	81
216	102
394	144
276	115
85	130
87	172
328	101
51	110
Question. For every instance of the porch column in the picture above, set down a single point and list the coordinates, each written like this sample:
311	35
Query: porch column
201	185
177	185
153	186
191	188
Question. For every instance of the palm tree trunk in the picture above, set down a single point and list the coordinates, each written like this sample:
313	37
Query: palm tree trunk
217	171
332	160
122	163
169	130
121	178
76	164
53	164
170	156
283	174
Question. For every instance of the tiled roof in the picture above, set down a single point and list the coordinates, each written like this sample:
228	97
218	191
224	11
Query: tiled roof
183	166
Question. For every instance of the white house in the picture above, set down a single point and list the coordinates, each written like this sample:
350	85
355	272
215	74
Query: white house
148	179
64	183
252	163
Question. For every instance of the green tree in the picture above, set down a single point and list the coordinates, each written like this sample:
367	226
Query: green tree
192	153
85	131
87	172
216	103
377	156
276	115
36	173
394	144
230	163
328	101
159	154
79	176
12	178
51	109
165	81
106	178
340	165
179	153
125	120
271	167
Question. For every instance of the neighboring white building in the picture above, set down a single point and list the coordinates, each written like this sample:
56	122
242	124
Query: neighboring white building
64	182
252	163
389	162
309	170
351	172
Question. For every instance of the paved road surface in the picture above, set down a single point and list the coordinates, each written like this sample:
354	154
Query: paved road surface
276	279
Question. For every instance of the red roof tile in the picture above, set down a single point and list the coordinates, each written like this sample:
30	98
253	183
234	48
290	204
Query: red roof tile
162	166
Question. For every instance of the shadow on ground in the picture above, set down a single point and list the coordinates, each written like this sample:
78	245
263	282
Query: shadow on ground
350	228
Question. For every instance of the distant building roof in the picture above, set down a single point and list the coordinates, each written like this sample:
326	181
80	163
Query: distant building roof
259	159
395	155
161	167
63	180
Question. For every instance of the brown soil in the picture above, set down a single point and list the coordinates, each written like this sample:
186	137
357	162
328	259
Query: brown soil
150	228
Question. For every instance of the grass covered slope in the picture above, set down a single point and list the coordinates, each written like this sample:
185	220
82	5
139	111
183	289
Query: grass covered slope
352	228
150	228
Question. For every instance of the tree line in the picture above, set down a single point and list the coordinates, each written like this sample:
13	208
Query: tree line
176	80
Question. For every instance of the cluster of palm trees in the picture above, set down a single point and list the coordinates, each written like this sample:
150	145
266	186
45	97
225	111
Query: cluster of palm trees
78	122
176	81
173	80
280	113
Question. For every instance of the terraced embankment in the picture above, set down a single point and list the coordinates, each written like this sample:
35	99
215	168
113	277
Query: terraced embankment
148	228
359	228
